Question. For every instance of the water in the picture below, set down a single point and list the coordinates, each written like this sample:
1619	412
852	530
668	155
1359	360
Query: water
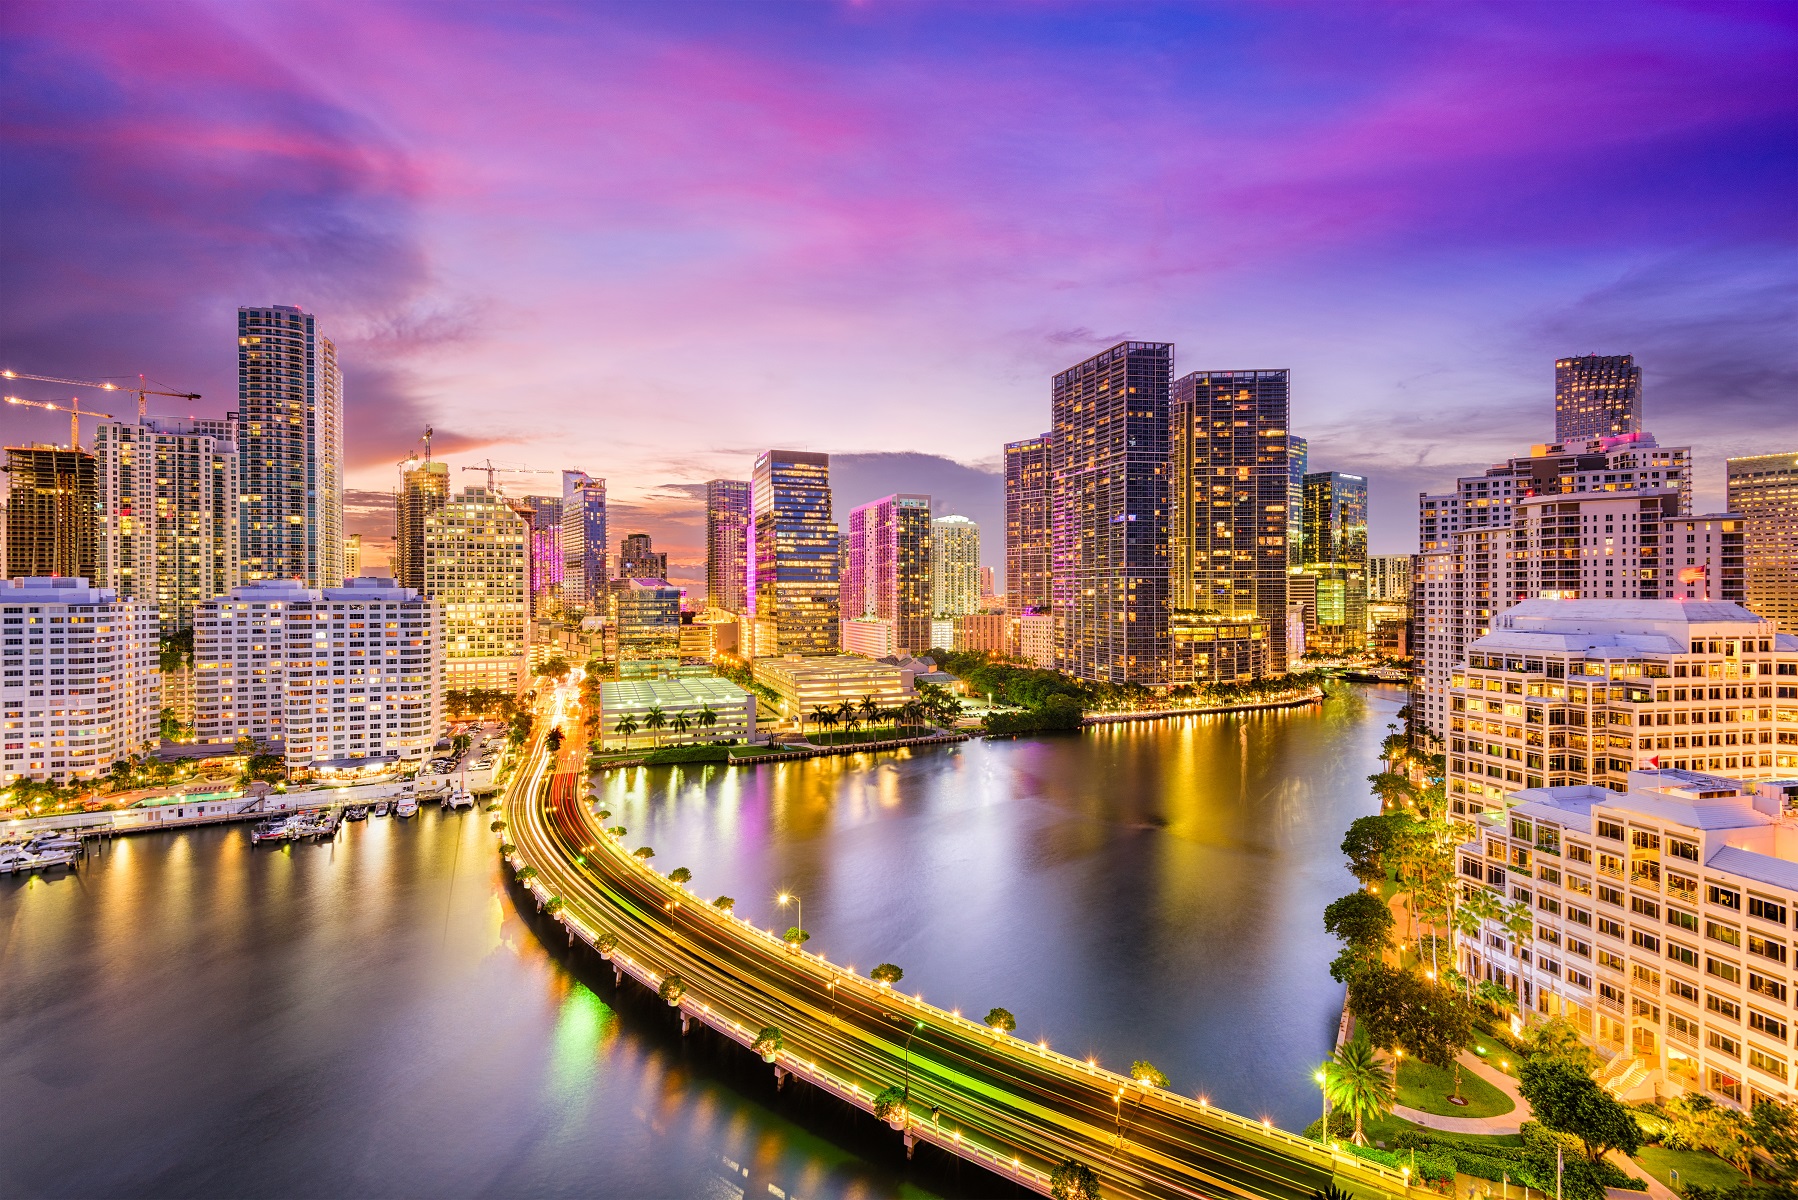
191	1016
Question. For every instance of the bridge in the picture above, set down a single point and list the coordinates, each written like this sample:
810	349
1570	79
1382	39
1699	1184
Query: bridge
1014	1107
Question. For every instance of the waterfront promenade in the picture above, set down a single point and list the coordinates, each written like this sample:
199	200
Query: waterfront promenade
1014	1107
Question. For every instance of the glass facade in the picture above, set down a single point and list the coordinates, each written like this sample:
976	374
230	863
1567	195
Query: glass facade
794	577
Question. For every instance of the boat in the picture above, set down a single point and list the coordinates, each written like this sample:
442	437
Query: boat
458	797
356	812
321	825
380	808
279	829
47	843
13	858
406	806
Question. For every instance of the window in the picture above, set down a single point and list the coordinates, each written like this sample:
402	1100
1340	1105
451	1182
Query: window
1579	915
1682	1029
1767	910
1767	986
1773	1027
1579	979
1723	1044
1680	988
1722	969
1576	853
1723	1006
1680	848
1644	907
1580	884
1610	928
1645	941
1610	830
1766	947
1726	934
1575	946
1610	895
1726	1085
1609	960
1725	897
1766	1062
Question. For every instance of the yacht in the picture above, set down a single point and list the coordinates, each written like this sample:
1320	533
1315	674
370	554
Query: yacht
278	829
381	808
356	812
406	806
458	797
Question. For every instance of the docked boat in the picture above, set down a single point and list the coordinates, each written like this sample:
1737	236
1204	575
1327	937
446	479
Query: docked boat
279	829
52	843
406	806
356	812
458	797
15	858
321	826
381	808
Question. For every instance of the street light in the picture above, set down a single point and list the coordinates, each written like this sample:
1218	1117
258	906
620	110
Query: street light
911	1031
1320	1085
784	898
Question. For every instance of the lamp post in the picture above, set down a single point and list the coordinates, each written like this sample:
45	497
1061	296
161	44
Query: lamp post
911	1031
1326	1091
787	897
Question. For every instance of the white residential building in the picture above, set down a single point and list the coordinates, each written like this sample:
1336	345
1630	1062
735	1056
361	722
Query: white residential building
477	566
321	674
954	568
168	497
1565	692
1036	639
81	687
1664	926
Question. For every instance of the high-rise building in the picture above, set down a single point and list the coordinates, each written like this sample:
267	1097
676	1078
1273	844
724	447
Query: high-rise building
1389	604
321	674
645	616
793	570
890	549
168	498
1335	554
1590	690
1229	479
954	567
1555	469
1389	578
988	590
1298	463
1109	521
638	558
290	448
73	721
1597	396
352	555
1763	488
477	568
424	488
544	516
584	572
1027	527
52	513
727	545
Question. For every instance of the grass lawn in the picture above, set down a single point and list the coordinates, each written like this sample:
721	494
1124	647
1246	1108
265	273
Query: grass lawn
1428	1088
1494	1053
1387	1128
1694	1166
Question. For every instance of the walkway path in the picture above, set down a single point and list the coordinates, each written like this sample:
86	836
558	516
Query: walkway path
1509	1122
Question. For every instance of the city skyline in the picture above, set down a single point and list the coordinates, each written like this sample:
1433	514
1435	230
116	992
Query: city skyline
1435	174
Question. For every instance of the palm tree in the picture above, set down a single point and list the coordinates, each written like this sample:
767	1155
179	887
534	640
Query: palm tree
870	710
846	714
830	718
626	727
654	720
822	716
681	722
1359	1081
707	718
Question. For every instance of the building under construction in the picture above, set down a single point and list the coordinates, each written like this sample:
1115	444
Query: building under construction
52	508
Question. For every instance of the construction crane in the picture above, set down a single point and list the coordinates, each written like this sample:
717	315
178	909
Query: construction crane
73	408
492	468
143	391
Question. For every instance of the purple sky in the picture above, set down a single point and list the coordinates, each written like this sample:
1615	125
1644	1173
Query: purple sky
651	240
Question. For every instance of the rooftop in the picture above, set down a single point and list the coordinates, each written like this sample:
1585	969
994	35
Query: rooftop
1623	626
670	691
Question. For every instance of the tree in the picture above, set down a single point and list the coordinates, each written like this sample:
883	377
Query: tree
1072	1180
886	973
654	720
797	936
1775	1129
672	989
820	714
553	740
707	718
625	729
680	875
1369	844
889	1103
681	722
1397	1008
1359	1081
644	853
460	743
869	709
724	903
1147	1073
1363	923
768	1042
1557	1038
555	667
1392	788
1001	1020
1568	1100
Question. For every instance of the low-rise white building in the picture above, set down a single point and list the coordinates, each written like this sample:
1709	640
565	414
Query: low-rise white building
1665	930
322	674
825	681
81	687
731	709
1036	639
870	637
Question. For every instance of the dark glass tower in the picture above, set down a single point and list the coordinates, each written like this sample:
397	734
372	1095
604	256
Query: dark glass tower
1229	458
794	574
1109	524
1335	554
1597	396
1027	530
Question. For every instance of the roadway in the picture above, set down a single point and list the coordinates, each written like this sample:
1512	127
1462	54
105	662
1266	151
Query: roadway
1011	1105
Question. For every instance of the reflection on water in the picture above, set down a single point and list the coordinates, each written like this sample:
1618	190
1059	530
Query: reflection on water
193	1016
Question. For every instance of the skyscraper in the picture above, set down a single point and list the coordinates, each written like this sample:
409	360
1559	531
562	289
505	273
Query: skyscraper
168	498
1027	526
1763	488
290	448
476	567
727	544
1108	459
954	567
1335	553
1229	456
352	555
889	571
638	559
52	506
794	570
544	513
1597	396
584	571
1298	462
424	488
